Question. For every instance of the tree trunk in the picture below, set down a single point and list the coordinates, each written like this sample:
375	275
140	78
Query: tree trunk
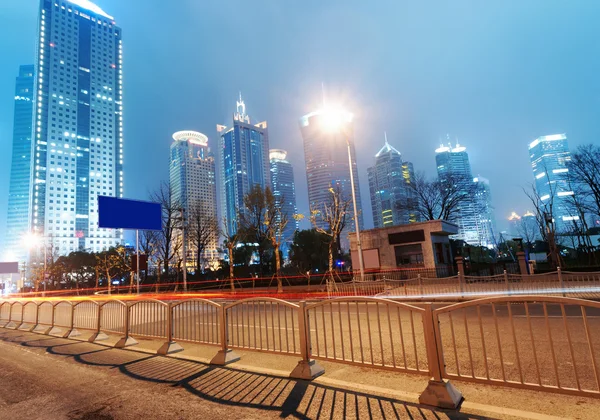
277	268
131	282
230	250
108	285
158	278
97	278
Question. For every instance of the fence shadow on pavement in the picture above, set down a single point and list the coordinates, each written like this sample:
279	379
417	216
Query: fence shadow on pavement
234	387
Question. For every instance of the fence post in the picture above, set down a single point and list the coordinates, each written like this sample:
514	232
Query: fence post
224	356
10	323
306	368
170	346
72	331
561	281
439	392
461	284
57	331
98	335
506	283
126	341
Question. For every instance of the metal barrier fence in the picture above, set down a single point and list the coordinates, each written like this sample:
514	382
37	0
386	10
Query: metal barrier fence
582	285
533	342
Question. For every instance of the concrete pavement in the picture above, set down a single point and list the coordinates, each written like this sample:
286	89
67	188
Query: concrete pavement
54	378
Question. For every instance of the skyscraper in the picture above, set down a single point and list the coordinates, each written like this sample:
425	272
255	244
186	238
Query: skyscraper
549	156
486	222
78	121
20	173
193	187
244	161
326	134
453	167
284	190
389	185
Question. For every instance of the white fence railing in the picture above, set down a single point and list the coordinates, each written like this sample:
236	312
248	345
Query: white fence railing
561	283
547	343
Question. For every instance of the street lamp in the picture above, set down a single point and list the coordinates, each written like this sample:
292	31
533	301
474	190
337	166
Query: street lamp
334	120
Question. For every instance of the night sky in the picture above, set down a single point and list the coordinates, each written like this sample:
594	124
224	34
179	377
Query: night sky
494	74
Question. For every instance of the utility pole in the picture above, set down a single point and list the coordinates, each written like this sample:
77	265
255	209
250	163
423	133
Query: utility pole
184	249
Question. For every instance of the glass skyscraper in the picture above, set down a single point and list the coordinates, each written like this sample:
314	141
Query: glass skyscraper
244	161
389	187
549	156
474	215
20	173
77	136
192	181
326	133
284	190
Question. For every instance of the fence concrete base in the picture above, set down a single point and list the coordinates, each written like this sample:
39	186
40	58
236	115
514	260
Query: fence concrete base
98	337
169	347
74	333
441	394
26	327
225	357
12	325
126	342
59	332
42	329
307	370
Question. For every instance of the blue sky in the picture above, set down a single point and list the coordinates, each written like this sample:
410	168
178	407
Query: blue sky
494	74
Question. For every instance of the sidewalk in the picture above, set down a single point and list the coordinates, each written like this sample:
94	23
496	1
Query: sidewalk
126	384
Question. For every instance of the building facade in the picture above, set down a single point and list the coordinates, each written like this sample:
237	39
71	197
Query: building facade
326	134
244	163
78	125
486	222
549	156
390	188
193	187
20	172
284	190
453	166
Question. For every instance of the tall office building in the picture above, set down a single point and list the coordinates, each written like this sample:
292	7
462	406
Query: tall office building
20	173
78	124
453	166
244	161
193	186
284	190
486	222
549	156
326	135
389	185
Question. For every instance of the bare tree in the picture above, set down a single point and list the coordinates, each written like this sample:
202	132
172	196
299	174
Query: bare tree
203	231
438	199
275	232
166	243
584	173
333	215
256	217
231	241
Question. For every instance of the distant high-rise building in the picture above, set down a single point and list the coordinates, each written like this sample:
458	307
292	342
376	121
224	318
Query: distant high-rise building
486	222
549	156
193	186
453	166
78	123
244	161
389	185
20	173
284	190
326	134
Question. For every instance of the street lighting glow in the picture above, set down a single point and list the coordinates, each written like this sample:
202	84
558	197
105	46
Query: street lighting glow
333	118
31	240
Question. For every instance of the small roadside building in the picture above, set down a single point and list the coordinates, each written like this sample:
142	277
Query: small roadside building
415	245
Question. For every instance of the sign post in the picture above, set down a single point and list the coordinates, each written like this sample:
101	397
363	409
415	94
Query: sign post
119	213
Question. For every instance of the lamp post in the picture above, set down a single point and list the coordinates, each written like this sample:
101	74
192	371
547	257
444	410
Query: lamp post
334	120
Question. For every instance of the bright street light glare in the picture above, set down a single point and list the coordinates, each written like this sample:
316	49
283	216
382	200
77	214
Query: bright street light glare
31	240
332	119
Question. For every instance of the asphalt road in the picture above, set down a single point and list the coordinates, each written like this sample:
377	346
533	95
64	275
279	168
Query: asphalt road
50	378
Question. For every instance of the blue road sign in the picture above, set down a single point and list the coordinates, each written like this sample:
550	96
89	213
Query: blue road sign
119	213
